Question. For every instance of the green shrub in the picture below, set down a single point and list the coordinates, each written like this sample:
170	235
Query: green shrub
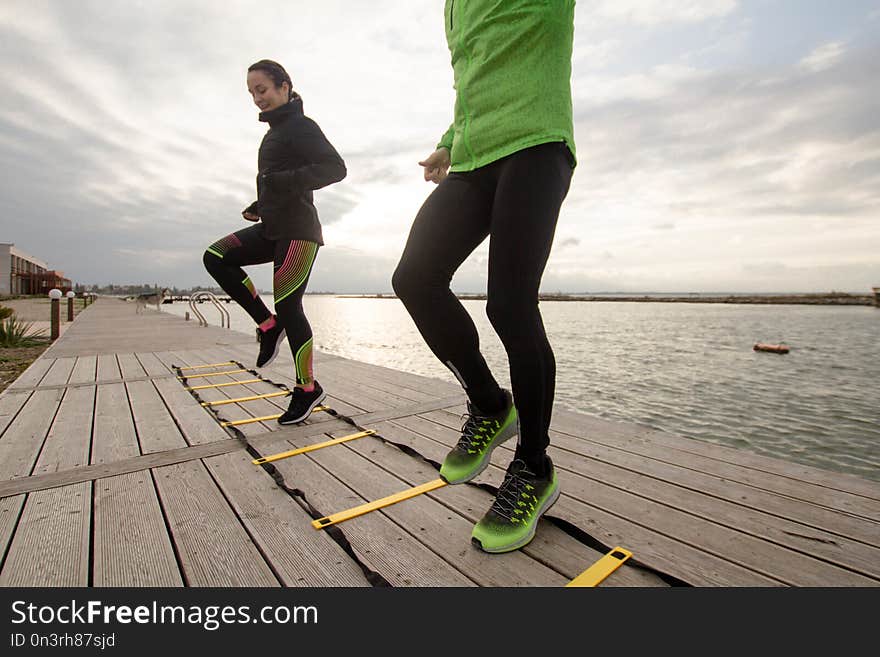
5	312
16	333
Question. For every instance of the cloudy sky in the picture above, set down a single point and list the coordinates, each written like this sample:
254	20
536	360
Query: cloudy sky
724	145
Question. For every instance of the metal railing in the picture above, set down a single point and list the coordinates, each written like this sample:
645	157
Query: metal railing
204	295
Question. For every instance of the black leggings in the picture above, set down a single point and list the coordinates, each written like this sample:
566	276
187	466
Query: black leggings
293	260
515	201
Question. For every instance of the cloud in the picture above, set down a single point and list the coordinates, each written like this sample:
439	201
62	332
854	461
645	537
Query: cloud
823	57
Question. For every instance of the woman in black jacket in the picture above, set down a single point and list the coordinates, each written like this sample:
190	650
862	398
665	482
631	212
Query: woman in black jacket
295	158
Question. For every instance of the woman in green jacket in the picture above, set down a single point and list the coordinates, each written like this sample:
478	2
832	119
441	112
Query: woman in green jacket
502	171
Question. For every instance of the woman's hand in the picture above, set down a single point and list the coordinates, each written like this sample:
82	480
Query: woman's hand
250	216
436	165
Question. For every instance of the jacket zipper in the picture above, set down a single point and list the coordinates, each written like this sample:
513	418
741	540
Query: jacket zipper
451	10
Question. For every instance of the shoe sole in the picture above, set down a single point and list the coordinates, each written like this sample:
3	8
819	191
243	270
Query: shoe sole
528	538
510	432
277	348
306	414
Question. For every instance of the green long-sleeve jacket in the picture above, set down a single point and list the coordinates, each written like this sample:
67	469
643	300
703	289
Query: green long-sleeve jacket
511	62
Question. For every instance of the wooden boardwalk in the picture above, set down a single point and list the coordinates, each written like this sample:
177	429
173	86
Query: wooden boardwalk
113	474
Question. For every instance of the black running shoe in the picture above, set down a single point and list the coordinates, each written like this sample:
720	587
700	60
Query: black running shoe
302	404
270	342
513	518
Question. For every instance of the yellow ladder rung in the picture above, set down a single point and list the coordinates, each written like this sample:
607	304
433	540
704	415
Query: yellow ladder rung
251	420
342	516
193	376
311	448
201	367
221	402
223	385
594	575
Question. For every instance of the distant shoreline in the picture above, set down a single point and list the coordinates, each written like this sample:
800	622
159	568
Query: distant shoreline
828	299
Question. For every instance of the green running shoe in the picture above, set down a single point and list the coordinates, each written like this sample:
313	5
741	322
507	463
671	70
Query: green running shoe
513	518
480	434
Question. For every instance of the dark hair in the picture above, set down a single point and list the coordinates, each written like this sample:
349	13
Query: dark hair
275	71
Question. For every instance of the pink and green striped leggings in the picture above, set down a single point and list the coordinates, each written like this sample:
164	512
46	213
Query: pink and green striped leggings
293	260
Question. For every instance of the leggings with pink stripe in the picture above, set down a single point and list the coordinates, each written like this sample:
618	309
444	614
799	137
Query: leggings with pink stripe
293	260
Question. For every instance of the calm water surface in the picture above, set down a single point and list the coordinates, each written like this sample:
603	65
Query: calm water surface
685	368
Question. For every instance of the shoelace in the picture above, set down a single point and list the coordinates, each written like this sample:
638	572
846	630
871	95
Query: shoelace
473	432
509	500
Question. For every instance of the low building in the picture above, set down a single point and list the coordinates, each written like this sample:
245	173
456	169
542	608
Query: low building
21	273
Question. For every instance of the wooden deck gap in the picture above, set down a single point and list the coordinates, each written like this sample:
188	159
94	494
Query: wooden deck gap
86	384
15	415
8	546
46	437
171	537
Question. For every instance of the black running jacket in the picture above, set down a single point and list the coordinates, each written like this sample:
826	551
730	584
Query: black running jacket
295	159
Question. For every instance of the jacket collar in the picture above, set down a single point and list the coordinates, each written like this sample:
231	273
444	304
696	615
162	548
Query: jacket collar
292	108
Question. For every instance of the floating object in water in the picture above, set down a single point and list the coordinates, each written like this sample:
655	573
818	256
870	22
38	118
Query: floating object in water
774	348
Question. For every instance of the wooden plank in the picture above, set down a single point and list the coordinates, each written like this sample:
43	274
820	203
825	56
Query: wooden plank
830	498
10	510
22	441
416	383
84	370
24	436
581	478
32	375
99	382
69	439
115	468
213	547
59	372
51	543
776	470
131	542
10	406
299	555
665	554
108	467
132	546
382	380
108	369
